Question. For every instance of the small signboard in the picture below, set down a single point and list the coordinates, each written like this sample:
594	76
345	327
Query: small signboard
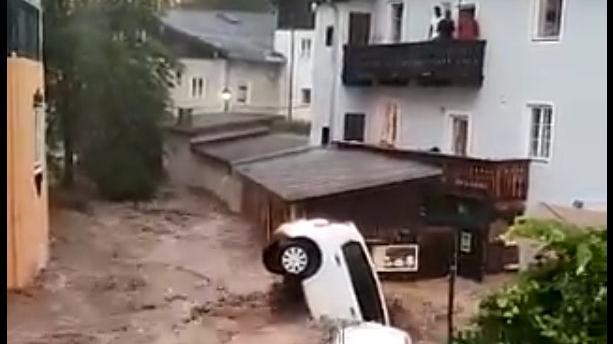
465	242
396	258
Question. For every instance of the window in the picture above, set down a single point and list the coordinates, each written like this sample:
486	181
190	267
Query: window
329	35
391	124
459	135
243	94
305	47
396	20
179	78
39	132
306	96
364	284
141	35
354	127
23	30
541	131
548	19
359	28
200	87
197	87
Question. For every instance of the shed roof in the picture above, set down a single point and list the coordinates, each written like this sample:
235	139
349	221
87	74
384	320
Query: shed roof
326	171
240	35
251	147
222	122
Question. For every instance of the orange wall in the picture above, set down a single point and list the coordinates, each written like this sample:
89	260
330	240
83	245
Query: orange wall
27	212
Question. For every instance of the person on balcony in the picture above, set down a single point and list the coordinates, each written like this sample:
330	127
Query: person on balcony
446	27
436	18
468	27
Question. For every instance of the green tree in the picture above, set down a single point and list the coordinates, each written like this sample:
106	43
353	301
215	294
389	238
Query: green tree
107	79
561	299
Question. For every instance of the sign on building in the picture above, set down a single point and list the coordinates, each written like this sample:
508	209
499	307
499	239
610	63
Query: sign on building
396	258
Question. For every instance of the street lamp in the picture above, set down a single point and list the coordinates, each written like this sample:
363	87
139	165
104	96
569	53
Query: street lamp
226	95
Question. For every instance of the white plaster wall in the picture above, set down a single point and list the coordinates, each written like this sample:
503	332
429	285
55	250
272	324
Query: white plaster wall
303	72
263	80
212	71
571	74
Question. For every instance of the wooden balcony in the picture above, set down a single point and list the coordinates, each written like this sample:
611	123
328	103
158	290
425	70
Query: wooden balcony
430	63
495	180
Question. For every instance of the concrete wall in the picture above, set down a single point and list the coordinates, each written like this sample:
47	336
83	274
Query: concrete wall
570	74
187	169
262	80
303	72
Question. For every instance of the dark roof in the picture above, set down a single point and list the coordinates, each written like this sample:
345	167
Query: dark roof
322	172
239	35
222	122
251	147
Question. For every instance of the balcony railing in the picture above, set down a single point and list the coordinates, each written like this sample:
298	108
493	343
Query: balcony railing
430	63
503	180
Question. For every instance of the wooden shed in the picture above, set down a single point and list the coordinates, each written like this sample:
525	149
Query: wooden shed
392	198
382	195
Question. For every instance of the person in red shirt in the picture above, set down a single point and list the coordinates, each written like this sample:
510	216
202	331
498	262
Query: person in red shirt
468	28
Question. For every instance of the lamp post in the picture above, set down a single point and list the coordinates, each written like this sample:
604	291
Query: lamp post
226	95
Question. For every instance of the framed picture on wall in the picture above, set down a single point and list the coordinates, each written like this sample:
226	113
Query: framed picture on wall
395	258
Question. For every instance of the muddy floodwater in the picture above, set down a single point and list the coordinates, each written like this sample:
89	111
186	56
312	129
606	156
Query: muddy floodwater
180	269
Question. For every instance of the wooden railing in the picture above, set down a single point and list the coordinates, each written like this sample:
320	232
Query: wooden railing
497	180
502	180
435	63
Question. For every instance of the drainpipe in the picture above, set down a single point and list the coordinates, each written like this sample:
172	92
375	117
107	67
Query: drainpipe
335	47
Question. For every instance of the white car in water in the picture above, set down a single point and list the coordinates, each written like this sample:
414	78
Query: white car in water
369	333
333	264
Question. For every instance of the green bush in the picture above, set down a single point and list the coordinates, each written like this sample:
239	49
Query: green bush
561	299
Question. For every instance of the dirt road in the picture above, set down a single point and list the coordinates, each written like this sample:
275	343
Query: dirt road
182	270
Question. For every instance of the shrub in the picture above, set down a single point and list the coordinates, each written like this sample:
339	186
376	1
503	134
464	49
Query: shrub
560	299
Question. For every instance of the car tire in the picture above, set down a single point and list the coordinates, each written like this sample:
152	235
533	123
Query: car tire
270	258
299	258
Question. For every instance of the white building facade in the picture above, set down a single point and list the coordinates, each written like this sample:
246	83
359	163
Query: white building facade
542	96
227	53
253	86
297	73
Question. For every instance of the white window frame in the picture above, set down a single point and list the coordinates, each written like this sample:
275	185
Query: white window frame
247	95
536	15
529	107
39	138
385	134
450	115
306	46
455	15
194	91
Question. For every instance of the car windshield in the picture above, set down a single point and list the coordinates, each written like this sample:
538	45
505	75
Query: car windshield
363	282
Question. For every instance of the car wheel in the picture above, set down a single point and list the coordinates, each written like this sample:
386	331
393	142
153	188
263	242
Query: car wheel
269	257
299	258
